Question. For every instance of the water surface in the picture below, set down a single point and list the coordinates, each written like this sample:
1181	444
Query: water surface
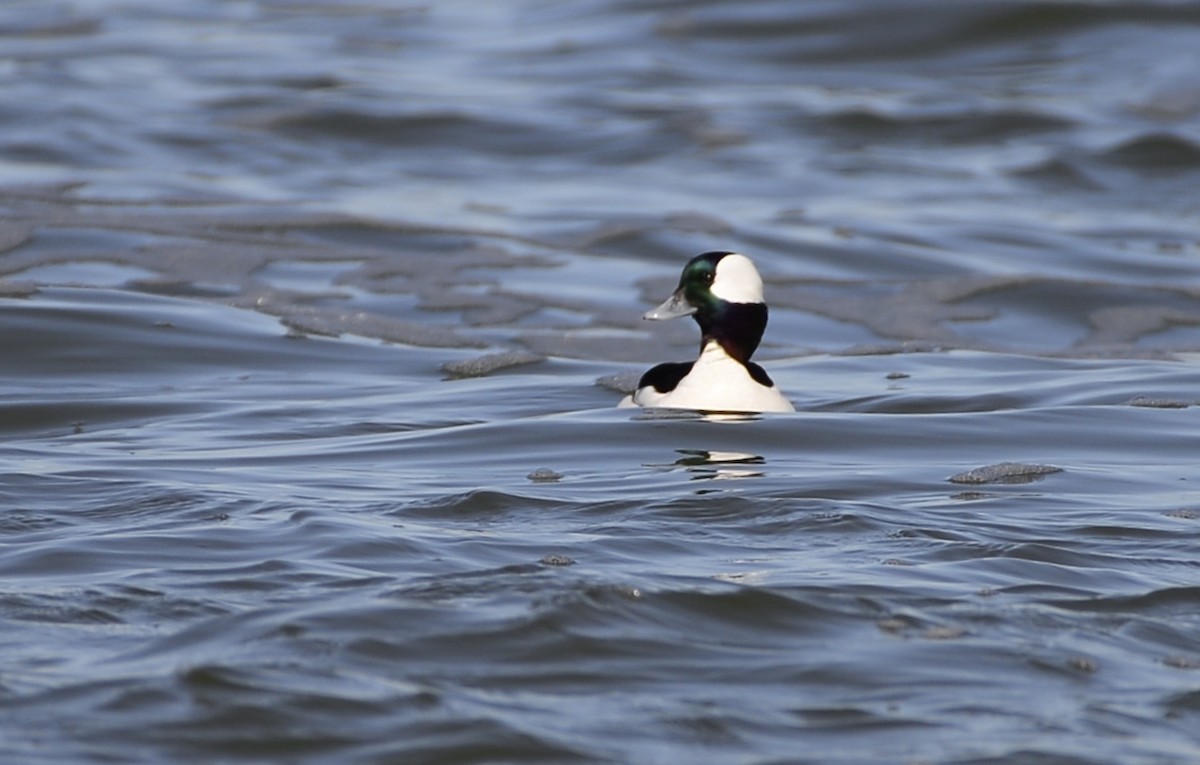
315	315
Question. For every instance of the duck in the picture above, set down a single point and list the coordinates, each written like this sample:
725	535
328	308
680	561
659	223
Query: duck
723	293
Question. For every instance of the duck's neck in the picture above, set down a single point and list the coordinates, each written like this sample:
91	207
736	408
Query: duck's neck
737	327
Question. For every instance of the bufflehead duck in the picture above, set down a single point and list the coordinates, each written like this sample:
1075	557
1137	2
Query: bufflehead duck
722	291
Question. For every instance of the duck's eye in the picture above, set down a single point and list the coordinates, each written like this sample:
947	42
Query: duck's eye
709	276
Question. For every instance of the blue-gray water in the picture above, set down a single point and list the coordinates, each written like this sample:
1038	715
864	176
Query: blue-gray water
313	316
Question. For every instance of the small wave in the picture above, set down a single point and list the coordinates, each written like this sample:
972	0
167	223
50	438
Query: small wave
965	126
1162	602
1155	153
424	131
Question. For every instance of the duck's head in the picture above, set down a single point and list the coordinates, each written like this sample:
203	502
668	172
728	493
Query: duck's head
723	292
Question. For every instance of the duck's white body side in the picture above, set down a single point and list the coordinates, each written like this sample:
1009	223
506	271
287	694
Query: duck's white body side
715	381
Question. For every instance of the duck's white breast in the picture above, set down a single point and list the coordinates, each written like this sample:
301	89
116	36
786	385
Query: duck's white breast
718	383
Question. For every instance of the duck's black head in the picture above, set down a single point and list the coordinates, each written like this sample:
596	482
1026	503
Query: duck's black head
722	291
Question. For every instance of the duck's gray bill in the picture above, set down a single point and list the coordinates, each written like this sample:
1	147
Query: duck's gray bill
676	306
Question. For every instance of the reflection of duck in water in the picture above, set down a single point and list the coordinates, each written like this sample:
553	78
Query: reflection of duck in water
722	291
708	465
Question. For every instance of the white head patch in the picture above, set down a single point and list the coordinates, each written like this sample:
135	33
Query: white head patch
737	280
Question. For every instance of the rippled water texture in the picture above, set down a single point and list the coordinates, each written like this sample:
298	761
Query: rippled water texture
313	316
